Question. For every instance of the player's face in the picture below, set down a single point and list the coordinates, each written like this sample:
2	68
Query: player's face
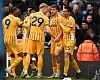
54	11
65	13
28	11
45	10
17	12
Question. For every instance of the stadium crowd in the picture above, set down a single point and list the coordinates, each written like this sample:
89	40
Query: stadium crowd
85	13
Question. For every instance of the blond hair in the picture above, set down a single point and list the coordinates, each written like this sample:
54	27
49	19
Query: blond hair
42	5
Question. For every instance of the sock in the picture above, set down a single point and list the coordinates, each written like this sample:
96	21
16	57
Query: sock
27	62
32	65
75	66
40	64
58	66
11	61
54	70
66	66
16	62
24	60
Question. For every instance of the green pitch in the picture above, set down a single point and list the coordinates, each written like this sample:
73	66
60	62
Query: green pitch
44	78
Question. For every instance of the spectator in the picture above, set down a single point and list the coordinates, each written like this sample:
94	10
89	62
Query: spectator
94	38
19	33
20	5
81	4
6	10
92	24
32	3
95	3
99	20
76	15
90	11
45	1
80	33
87	51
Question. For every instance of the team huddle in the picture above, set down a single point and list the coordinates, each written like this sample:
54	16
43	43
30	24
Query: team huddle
60	28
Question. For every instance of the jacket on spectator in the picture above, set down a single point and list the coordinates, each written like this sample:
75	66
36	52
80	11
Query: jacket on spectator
87	51
33	3
96	4
78	18
19	4
79	34
94	27
95	16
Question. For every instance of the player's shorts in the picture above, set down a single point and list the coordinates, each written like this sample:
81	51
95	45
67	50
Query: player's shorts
69	46
24	43
24	47
13	48
9	51
56	46
35	47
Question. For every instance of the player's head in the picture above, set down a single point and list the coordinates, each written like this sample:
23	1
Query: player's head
48	14
31	10
55	8
43	8
66	11
14	11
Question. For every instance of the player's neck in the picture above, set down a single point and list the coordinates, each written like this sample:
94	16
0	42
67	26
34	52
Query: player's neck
41	11
67	16
13	14
55	15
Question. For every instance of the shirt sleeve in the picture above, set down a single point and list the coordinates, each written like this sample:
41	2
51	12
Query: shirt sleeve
19	22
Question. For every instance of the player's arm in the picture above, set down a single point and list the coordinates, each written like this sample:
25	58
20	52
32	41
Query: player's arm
28	29
59	36
47	30
66	29
23	24
69	27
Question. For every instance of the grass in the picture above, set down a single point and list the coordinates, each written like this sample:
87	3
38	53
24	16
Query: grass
44	78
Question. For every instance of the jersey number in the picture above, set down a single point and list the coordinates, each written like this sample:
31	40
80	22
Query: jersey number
7	22
40	20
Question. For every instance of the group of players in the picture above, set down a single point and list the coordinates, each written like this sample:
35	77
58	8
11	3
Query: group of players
60	28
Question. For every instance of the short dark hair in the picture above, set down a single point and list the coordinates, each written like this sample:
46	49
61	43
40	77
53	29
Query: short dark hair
68	8
87	37
57	6
84	21
12	9
90	4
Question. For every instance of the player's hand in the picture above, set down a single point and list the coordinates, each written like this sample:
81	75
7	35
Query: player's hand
57	39
60	23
